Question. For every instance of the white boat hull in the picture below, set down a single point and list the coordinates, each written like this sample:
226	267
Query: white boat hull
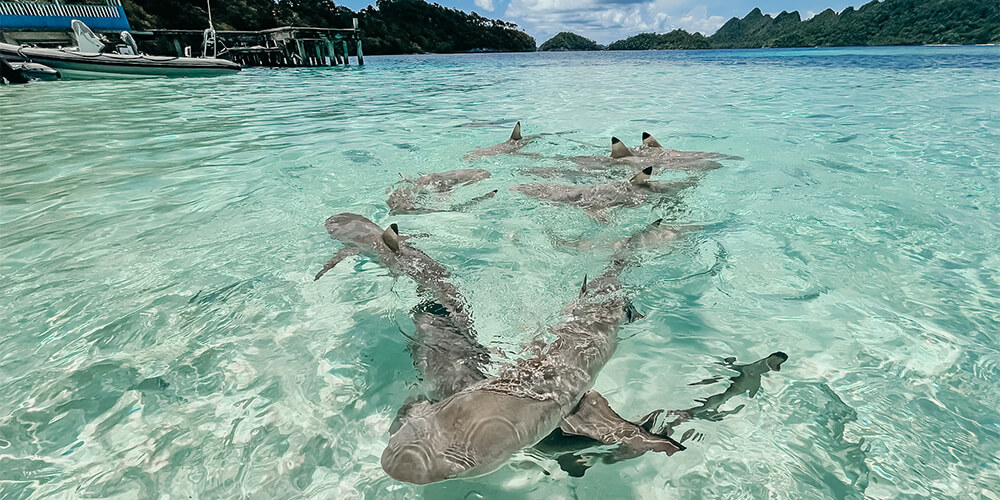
75	65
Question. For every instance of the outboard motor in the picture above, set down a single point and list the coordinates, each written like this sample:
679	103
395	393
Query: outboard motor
129	46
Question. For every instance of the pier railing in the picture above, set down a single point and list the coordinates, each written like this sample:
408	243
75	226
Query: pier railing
16	16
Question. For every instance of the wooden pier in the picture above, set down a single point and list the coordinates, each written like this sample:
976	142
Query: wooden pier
290	46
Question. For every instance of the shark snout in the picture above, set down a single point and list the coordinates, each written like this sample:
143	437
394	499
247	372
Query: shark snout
414	463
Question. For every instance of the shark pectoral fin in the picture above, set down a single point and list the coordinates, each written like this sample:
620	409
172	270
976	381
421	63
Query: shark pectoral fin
342	254
632	314
595	419
647	422
391	237
516	134
619	149
649	141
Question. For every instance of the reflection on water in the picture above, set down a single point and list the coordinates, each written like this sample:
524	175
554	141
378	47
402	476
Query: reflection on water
161	332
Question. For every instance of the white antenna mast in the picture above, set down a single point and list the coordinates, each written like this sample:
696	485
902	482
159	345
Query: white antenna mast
210	33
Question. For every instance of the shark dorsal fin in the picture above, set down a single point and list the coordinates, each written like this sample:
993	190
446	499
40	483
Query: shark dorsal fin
649	141
583	288
391	237
619	149
516	134
642	177
656	223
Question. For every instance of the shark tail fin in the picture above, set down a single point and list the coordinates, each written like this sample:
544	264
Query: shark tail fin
391	237
619	149
649	141
583	288
516	134
643	176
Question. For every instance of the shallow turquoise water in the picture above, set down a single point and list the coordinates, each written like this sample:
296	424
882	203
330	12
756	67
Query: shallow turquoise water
161	334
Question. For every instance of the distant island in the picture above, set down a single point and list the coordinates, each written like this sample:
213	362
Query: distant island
891	22
391	27
570	41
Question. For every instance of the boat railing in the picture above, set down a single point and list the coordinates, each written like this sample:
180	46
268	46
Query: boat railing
38	16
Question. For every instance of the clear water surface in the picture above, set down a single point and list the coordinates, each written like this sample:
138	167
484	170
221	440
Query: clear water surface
161	334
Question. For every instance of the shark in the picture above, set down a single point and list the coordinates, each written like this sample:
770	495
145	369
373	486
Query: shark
511	145
413	196
652	153
595	200
443	347
474	430
747	381
361	236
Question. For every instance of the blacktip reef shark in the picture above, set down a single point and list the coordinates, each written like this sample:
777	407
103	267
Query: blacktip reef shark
413	196
361	236
596	199
652	153
475	430
444	348
511	145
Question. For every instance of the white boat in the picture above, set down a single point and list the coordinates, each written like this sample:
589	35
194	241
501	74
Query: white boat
85	61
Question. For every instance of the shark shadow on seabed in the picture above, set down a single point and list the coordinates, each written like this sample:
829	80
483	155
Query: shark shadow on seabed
576	454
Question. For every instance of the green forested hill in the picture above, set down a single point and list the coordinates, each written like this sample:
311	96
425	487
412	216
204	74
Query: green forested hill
677	39
569	41
391	27
891	22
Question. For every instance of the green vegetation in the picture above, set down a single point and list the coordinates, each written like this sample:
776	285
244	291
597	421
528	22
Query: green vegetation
392	27
677	39
892	22
570	41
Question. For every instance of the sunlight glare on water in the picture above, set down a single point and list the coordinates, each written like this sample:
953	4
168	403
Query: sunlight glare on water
161	332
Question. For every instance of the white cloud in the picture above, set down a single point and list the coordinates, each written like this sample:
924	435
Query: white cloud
610	20
485	4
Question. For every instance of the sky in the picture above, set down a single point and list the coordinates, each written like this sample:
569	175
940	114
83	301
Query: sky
608	20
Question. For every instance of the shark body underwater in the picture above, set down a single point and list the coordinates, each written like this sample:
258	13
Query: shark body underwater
413	196
477	428
596	199
652	153
511	145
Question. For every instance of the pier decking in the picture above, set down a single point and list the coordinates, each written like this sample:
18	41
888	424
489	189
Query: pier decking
278	47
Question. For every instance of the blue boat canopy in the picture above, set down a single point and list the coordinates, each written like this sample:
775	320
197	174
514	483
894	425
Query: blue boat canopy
34	16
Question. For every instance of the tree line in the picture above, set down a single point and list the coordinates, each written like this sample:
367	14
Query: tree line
891	22
390	27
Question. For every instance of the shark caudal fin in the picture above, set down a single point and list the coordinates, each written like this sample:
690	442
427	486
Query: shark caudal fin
391	237
516	134
619	149
642	177
649	141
